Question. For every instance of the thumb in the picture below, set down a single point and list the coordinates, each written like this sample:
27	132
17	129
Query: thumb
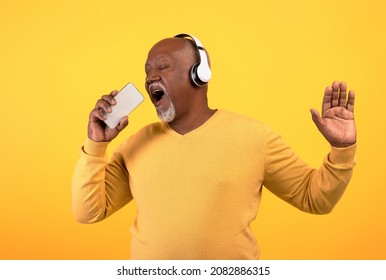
317	119
122	123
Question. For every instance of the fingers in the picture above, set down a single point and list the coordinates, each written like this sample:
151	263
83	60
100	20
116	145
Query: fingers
107	101
103	105
342	95
98	131
336	95
327	99
96	115
350	101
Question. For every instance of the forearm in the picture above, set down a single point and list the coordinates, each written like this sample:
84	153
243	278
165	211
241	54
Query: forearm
99	188
308	189
330	181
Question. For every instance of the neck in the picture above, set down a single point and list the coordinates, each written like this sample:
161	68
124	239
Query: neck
190	122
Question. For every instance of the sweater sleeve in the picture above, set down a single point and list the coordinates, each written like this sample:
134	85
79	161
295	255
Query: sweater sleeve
310	190
99	187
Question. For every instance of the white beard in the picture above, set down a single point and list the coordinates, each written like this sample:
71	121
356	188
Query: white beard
167	115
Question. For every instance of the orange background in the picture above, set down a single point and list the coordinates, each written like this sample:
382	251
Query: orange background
270	59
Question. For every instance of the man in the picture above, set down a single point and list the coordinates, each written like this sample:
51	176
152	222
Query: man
197	175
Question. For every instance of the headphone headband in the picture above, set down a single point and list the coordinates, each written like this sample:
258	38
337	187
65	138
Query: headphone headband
200	72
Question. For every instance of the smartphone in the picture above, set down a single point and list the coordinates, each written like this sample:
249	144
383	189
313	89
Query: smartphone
127	99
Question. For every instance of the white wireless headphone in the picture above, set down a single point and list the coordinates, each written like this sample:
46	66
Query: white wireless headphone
200	72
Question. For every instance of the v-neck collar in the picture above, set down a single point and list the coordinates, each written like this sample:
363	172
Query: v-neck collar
174	133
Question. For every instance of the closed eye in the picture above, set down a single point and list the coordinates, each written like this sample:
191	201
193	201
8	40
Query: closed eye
162	67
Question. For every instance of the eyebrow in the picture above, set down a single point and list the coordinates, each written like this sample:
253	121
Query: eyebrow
158	59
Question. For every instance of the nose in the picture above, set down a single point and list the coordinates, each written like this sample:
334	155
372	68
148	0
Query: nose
152	77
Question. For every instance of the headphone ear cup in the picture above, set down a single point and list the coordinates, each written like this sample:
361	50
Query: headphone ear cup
194	76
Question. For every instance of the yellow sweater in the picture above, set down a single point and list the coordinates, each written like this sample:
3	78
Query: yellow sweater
198	193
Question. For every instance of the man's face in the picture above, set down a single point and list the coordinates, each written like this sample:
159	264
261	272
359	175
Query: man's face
167	77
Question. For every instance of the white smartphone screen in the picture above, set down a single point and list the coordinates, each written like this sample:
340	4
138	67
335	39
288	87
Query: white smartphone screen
127	100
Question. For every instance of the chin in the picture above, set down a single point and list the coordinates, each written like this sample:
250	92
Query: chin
167	115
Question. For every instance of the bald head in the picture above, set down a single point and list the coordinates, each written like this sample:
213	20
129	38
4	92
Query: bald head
184	47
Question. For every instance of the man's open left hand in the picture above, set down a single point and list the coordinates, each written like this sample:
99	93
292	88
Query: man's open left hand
337	121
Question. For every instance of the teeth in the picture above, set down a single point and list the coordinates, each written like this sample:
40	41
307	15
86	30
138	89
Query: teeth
153	88
157	92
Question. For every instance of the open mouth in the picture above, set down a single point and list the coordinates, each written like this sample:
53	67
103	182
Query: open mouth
157	95
156	92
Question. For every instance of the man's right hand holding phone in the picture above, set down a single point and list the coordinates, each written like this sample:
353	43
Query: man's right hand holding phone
98	130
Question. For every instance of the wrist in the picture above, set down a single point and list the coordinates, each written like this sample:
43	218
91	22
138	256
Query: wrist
343	155
342	145
93	148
